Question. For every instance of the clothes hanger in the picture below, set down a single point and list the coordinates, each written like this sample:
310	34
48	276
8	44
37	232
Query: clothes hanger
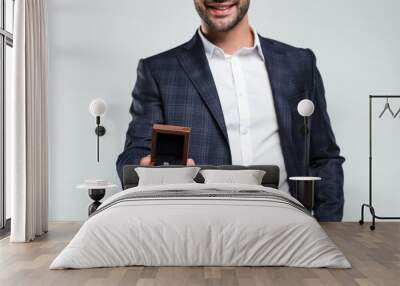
387	107
397	113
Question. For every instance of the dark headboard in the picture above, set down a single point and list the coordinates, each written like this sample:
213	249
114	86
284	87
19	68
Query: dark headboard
130	178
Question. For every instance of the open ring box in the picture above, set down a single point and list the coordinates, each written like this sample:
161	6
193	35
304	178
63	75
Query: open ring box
170	145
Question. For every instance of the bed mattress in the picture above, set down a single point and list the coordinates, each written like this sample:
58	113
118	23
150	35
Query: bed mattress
201	225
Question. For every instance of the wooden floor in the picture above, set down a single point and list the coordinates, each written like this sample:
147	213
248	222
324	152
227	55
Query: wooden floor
375	257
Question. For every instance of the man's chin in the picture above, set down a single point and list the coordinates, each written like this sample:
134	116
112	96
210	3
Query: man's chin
222	25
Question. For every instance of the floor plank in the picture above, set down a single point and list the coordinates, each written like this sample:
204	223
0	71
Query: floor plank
375	256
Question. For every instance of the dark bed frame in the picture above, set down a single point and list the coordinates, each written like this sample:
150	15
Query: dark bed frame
130	178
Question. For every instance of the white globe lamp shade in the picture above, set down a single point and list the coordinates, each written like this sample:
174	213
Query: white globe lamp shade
305	108
98	107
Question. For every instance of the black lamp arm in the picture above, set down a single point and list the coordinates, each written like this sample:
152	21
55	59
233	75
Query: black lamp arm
307	146
100	131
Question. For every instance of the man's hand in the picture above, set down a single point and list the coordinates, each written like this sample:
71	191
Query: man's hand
145	161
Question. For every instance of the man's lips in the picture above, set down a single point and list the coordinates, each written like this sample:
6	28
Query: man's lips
221	9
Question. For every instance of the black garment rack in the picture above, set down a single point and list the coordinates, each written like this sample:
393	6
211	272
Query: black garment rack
370	203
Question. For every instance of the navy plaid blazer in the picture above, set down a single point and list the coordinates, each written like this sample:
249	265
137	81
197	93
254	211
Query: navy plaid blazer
176	87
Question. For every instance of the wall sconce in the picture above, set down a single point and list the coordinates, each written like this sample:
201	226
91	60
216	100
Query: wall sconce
306	108
98	108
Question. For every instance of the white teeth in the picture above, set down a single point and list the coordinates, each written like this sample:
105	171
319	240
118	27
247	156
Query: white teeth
221	8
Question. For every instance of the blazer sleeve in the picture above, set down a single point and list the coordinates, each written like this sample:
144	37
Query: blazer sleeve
325	159
146	109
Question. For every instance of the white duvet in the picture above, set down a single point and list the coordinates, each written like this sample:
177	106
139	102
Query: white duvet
204	231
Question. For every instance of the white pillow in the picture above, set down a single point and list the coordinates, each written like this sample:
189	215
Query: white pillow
166	176
247	177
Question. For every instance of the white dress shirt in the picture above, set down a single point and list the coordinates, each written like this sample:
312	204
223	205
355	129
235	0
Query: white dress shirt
246	99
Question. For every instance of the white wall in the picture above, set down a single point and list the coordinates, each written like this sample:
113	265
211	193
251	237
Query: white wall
95	46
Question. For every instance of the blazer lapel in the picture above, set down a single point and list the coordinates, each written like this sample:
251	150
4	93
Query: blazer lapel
194	62
275	62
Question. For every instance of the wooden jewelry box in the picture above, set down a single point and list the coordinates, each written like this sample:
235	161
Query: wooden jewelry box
170	145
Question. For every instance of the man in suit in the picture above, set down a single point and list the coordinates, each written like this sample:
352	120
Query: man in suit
238	92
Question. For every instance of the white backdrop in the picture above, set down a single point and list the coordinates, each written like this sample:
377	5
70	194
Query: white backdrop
95	46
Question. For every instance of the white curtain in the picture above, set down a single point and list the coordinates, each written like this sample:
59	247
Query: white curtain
26	117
